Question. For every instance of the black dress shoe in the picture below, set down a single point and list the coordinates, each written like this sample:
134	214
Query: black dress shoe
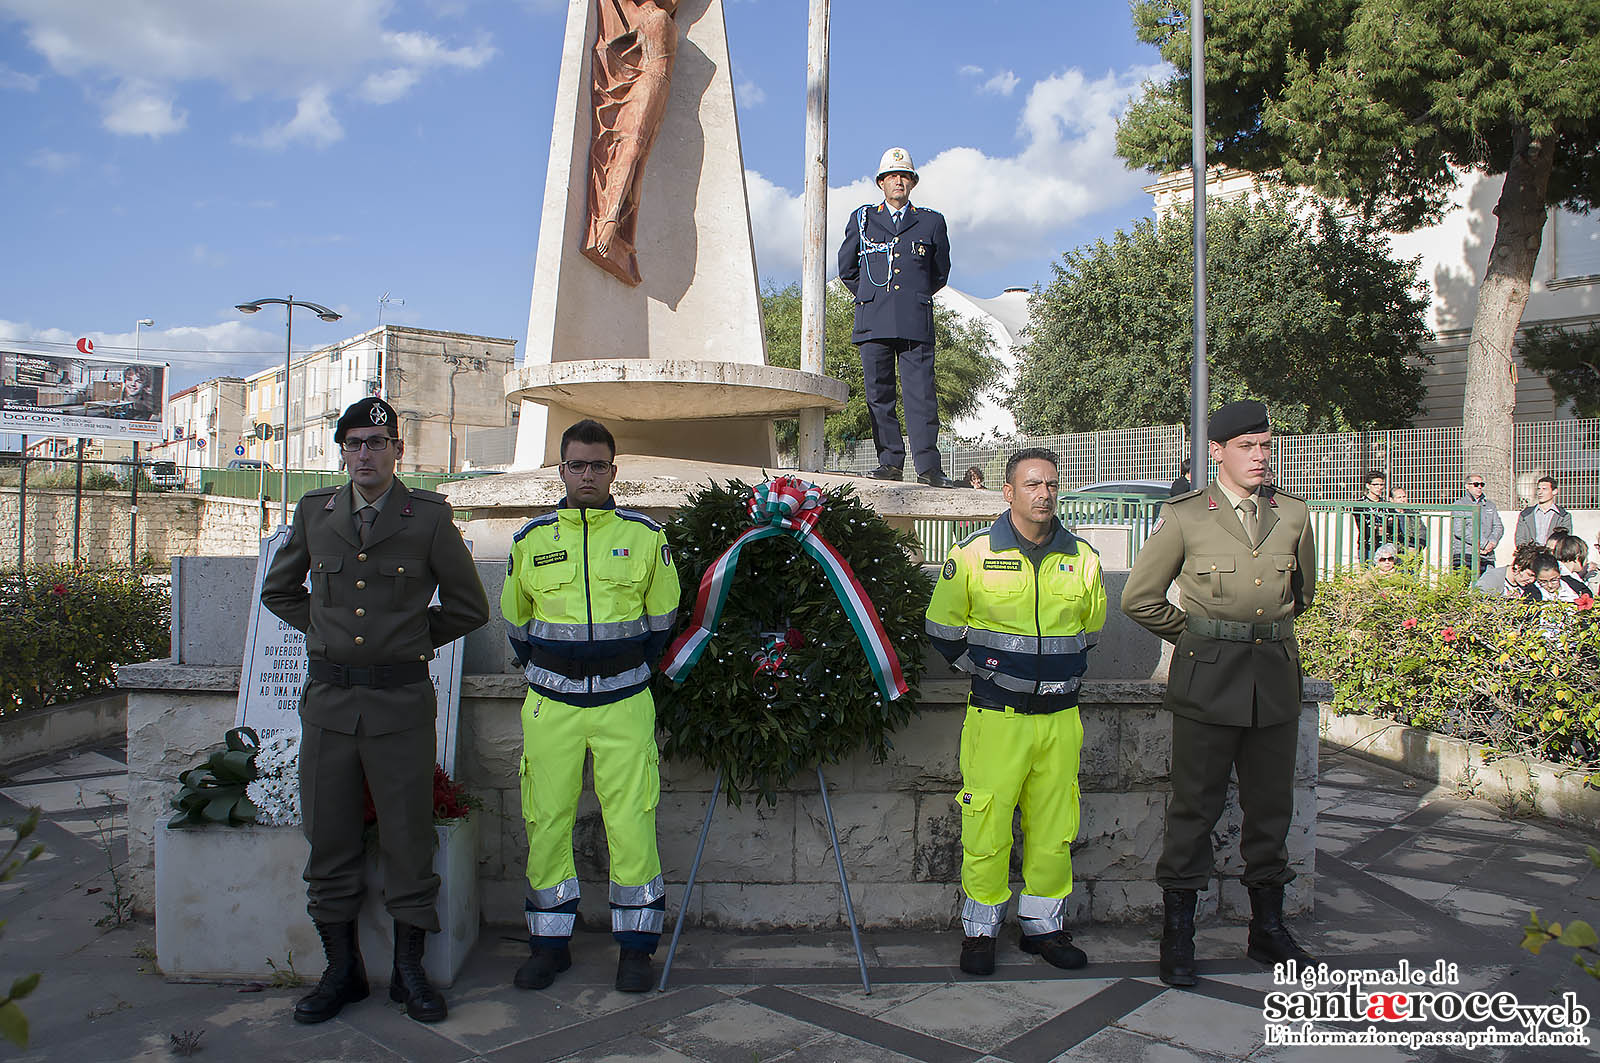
936	479
887	472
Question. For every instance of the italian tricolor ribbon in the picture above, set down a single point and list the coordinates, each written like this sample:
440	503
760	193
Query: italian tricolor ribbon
787	506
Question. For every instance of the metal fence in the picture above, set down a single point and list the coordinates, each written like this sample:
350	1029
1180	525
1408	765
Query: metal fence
1346	533
1327	467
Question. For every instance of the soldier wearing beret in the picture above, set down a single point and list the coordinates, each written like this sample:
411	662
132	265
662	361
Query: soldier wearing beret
894	258
375	551
1245	563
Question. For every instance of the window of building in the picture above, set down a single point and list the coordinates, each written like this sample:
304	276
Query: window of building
1574	248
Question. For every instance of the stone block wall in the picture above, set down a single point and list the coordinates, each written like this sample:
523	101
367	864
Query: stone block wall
169	524
770	866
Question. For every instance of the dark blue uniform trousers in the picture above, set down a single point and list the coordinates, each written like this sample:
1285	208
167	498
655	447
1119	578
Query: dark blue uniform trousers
917	394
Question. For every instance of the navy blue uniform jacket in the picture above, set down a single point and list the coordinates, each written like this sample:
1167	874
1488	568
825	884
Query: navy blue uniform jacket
916	265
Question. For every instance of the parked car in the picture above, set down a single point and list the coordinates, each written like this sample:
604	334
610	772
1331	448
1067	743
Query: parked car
250	463
164	475
1142	488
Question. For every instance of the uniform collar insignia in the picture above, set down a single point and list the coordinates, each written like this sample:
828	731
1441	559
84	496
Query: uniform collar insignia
1211	503
332	499
407	511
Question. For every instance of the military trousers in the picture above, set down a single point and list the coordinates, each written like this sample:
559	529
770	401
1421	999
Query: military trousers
1009	760
878	358
627	780
398	770
1203	755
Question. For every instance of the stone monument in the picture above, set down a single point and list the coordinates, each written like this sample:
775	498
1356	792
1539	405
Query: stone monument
646	313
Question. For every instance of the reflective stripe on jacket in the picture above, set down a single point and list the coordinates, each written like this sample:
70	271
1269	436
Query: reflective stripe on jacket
589	601
1016	627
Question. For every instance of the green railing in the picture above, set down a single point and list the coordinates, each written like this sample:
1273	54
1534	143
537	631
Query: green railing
249	483
1341	529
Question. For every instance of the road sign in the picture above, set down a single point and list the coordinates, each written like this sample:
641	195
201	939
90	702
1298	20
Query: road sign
239	450
199	443
264	431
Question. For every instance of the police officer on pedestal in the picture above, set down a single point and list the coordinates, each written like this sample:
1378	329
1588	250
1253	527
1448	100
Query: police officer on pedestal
1017	606
1246	565
376	551
894	257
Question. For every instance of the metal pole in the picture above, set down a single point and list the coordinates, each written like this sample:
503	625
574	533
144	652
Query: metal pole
22	517
688	887
814	269
844	885
1199	375
288	375
133	512
77	510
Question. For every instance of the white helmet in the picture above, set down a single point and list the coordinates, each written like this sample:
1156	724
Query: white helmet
897	160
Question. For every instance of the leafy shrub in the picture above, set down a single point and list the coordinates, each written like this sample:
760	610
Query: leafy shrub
1520	676
64	630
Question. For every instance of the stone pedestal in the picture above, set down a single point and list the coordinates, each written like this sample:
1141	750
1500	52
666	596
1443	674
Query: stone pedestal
230	904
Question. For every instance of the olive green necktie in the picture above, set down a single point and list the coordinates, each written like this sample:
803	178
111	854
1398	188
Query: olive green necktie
1247	517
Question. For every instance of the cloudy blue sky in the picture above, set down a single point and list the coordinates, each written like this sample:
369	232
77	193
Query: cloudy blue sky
170	158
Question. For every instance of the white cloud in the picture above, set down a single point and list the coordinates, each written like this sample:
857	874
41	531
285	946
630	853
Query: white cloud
313	123
52	161
139	59
16	79
204	256
1002	84
1000	208
749	94
970	71
389	85
138	108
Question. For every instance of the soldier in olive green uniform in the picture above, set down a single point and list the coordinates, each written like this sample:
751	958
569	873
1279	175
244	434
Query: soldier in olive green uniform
1245	564
375	552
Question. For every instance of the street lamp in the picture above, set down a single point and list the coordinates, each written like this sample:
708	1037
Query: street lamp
288	369
143	322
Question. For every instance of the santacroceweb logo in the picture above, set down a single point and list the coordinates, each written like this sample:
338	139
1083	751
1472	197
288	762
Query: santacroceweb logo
1415	1007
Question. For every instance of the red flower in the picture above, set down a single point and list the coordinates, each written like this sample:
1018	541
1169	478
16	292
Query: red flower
1448	634
794	638
1409	622
1584	602
59	590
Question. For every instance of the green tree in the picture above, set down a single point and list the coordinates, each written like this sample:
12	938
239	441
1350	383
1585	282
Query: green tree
1570	361
1305	311
964	367
1382	103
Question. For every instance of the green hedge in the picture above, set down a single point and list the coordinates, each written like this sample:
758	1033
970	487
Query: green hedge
63	631
1516	675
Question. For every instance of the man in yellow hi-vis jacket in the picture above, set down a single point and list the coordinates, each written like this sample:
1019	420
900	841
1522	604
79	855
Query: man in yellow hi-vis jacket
589	602
1018	606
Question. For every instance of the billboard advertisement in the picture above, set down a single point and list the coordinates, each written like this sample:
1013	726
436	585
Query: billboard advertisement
79	395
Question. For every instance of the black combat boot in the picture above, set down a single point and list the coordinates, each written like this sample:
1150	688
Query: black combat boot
343	982
1177	938
409	984
977	955
1057	949
1269	938
539	970
633	971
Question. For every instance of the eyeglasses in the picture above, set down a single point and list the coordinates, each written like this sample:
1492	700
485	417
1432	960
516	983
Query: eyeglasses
374	445
576	468
1474	483
1551	582
1386	560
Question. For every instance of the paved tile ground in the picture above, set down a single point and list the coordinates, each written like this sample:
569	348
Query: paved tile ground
1404	871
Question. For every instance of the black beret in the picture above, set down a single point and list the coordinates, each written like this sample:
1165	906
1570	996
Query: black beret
368	413
1244	417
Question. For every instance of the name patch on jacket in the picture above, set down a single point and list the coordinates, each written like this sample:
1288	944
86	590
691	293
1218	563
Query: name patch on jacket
1003	564
550	558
